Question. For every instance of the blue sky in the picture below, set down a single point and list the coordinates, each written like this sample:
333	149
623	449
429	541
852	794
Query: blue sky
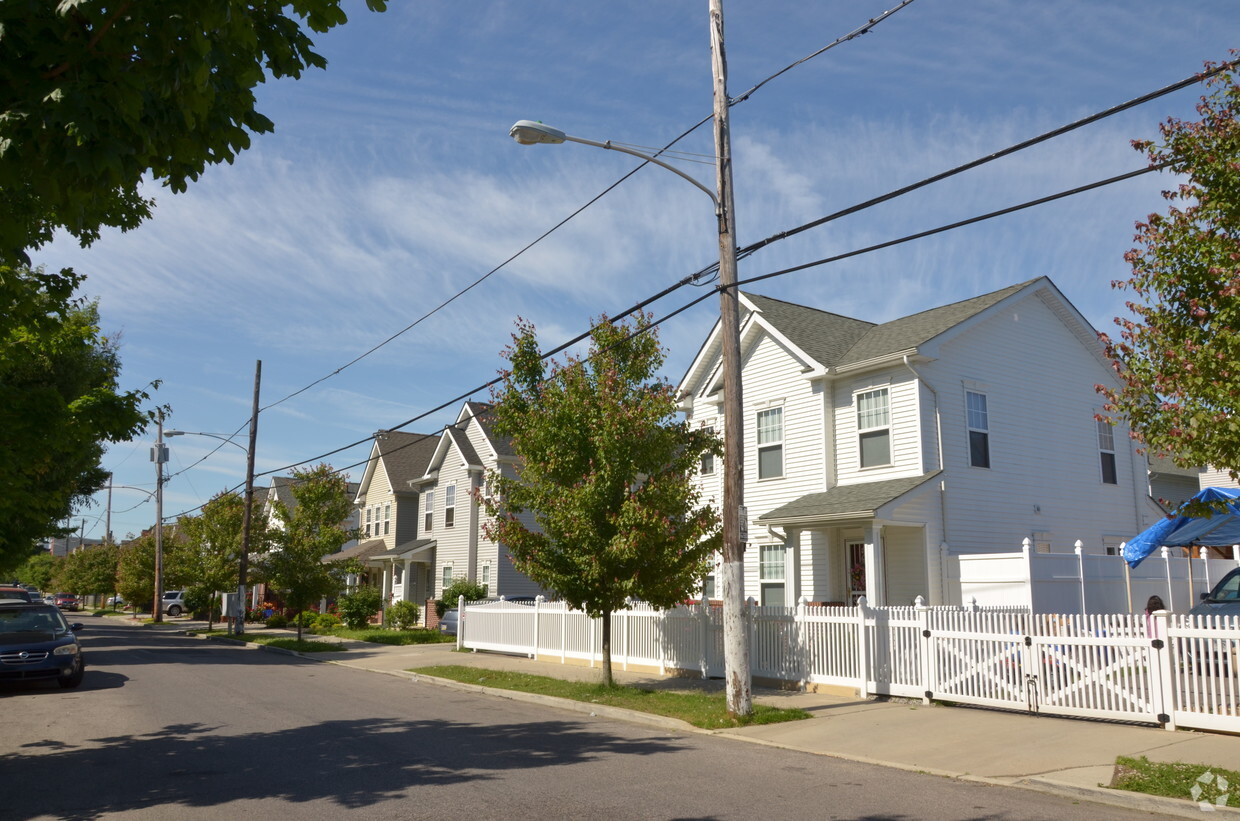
390	184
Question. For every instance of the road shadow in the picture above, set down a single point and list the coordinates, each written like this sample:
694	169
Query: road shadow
353	763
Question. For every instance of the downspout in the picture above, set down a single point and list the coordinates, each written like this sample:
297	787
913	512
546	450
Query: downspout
938	432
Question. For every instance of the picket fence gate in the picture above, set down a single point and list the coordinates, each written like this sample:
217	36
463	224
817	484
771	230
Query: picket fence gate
1166	669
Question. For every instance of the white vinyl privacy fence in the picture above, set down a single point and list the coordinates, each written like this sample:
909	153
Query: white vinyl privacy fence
1168	669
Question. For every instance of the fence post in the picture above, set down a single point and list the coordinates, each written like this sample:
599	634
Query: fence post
706	635
1127	575
863	651
927	649
1026	549
1162	683
802	642
563	631
663	642
1166	557
538	601
460	622
1079	549
627	619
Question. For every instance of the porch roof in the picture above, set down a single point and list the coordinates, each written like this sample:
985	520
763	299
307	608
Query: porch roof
844	501
361	552
408	550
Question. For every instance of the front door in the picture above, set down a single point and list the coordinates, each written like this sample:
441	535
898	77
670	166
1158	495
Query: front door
856	571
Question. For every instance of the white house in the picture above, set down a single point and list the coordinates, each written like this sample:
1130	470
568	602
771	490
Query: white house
874	453
423	515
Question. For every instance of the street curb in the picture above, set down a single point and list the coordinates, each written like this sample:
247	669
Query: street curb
1123	798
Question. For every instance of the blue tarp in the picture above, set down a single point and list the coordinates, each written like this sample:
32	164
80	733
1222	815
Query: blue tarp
1181	530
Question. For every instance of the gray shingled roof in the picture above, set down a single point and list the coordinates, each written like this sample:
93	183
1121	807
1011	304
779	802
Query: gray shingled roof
835	340
464	446
846	500
406	455
361	552
407	547
482	413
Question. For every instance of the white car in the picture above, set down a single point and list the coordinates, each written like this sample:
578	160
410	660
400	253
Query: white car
174	602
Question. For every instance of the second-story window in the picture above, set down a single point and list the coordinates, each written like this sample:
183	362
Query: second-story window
1106	451
449	506
708	459
771	443
369	512
387	519
428	511
874	427
978	420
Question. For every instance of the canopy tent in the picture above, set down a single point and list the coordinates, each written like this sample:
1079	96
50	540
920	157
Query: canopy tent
1222	528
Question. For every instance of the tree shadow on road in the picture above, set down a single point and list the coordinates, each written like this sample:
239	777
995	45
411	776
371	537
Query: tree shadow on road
354	763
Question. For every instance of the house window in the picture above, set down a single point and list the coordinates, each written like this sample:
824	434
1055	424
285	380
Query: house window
449	506
874	427
978	418
387	519
447	576
708	459
771	574
771	443
708	587
428	511
486	579
368	513
398	574
1106	451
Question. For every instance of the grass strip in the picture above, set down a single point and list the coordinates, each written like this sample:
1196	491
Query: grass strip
397	637
705	710
284	642
1178	780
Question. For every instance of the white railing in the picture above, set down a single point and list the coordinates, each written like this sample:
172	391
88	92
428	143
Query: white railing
1165	669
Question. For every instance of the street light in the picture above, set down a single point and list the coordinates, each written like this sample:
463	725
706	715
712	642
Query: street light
736	641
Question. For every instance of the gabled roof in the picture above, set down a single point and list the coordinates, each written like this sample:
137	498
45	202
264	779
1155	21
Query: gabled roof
361	552
404	455
845	501
823	335
482	413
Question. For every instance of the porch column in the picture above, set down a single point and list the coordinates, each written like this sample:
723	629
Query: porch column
410	583
875	581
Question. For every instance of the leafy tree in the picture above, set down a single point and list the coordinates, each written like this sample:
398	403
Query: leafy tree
89	572
96	94
1178	358
306	535
210	552
59	403
605	472
37	570
472	591
135	573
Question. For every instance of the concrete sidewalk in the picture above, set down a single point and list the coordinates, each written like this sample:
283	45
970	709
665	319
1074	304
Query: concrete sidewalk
1064	756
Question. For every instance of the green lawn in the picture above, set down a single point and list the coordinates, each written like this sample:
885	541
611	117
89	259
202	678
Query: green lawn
1177	780
379	635
706	710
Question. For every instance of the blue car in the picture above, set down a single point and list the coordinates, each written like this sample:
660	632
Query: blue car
37	644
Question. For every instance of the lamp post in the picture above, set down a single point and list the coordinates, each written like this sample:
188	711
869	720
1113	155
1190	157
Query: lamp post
736	638
159	455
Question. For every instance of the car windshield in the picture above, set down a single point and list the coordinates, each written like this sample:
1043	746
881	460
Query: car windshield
1228	589
31	621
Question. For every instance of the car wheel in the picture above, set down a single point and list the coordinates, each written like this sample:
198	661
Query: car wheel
174	610
73	679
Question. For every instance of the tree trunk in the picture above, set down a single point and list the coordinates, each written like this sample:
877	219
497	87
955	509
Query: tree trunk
299	612
608	681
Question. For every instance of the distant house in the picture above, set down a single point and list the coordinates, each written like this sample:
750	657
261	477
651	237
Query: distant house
1171	485
874	453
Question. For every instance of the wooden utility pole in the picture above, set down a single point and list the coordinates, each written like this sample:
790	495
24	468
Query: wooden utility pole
735	635
247	515
159	455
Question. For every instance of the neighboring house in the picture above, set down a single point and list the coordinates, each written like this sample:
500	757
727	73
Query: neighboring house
421	497
1170	485
281	489
1216	477
874	453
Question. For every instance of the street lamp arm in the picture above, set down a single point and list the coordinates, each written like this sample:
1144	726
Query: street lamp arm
219	436
528	132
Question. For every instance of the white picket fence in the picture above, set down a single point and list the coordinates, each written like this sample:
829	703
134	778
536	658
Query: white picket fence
1177	671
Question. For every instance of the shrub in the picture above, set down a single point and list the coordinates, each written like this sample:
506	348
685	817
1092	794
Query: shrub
357	608
277	620
325	623
472	591
305	618
403	615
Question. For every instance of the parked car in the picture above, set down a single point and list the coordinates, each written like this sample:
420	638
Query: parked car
15	594
67	601
36	643
1223	600
448	621
116	601
174	602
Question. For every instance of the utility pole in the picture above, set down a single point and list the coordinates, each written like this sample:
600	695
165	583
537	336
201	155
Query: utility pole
107	526
247	514
159	455
738	679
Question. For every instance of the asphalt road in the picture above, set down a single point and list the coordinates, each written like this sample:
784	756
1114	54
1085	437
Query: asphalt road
170	727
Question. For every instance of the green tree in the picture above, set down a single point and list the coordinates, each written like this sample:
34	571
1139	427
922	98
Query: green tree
59	403
605	471
1178	356
303	537
210	551
94	95
89	572
135	573
37	570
